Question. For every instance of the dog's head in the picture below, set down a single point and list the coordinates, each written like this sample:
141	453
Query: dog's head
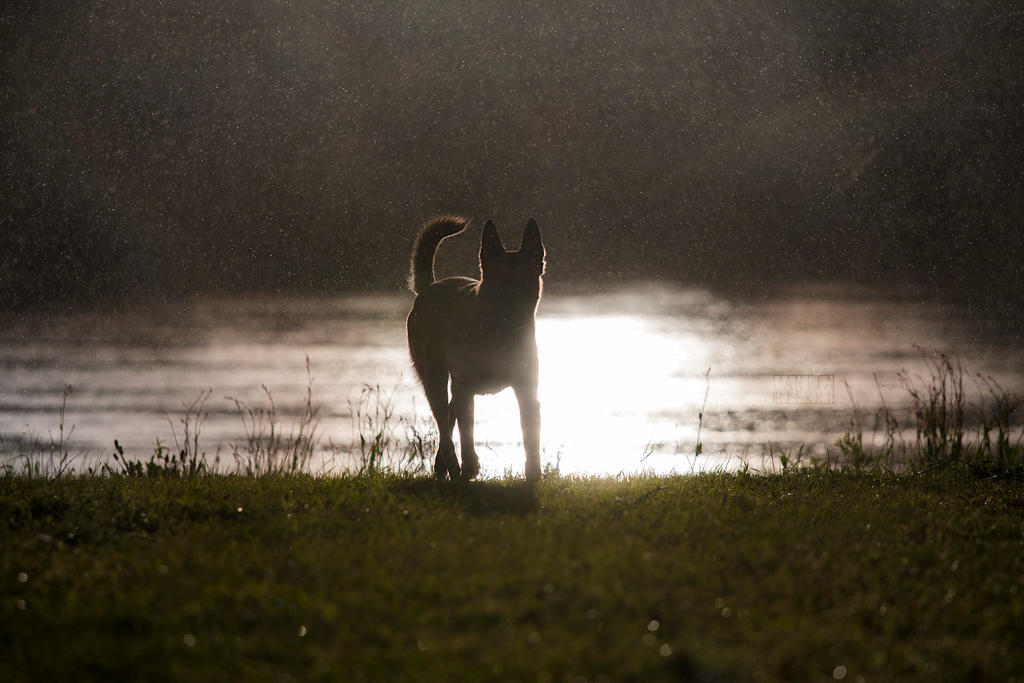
516	272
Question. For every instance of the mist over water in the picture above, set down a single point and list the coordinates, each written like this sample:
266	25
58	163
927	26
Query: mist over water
622	373
198	195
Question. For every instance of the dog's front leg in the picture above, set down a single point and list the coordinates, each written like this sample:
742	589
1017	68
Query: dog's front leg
529	418
462	405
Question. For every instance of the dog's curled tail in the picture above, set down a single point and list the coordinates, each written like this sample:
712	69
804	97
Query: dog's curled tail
421	269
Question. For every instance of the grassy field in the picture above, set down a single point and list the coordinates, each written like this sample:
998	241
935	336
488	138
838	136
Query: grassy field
897	560
811	574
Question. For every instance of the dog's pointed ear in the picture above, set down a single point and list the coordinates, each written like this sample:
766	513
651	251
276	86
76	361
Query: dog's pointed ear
490	242
532	243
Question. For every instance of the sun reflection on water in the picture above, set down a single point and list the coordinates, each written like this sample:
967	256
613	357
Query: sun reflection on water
611	386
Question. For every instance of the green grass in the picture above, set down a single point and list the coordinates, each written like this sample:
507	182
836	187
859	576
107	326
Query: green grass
801	576
895	560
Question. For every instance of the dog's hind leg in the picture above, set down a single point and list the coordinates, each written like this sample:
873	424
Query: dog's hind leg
462	402
435	386
529	418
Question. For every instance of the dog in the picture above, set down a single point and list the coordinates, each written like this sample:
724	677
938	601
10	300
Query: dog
478	333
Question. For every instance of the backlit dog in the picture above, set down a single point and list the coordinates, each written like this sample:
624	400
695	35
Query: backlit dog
480	333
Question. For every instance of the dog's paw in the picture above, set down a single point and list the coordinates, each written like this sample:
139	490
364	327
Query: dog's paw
446	464
470	468
446	470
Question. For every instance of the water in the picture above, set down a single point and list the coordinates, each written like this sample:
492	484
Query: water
622	374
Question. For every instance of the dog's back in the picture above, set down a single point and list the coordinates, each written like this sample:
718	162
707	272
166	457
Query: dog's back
442	307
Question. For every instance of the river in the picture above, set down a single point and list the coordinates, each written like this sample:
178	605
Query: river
625	375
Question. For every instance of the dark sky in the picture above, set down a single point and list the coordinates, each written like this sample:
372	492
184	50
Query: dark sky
227	146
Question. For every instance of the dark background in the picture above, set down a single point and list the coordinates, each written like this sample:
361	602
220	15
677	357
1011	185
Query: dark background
231	146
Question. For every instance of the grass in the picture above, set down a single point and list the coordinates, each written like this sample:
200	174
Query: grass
982	436
267	450
803	576
891	561
52	459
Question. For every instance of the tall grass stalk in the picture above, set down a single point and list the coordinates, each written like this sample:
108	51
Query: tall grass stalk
191	458
53	460
268	449
384	442
940	415
938	407
851	444
894	448
184	460
699	448
1000	455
